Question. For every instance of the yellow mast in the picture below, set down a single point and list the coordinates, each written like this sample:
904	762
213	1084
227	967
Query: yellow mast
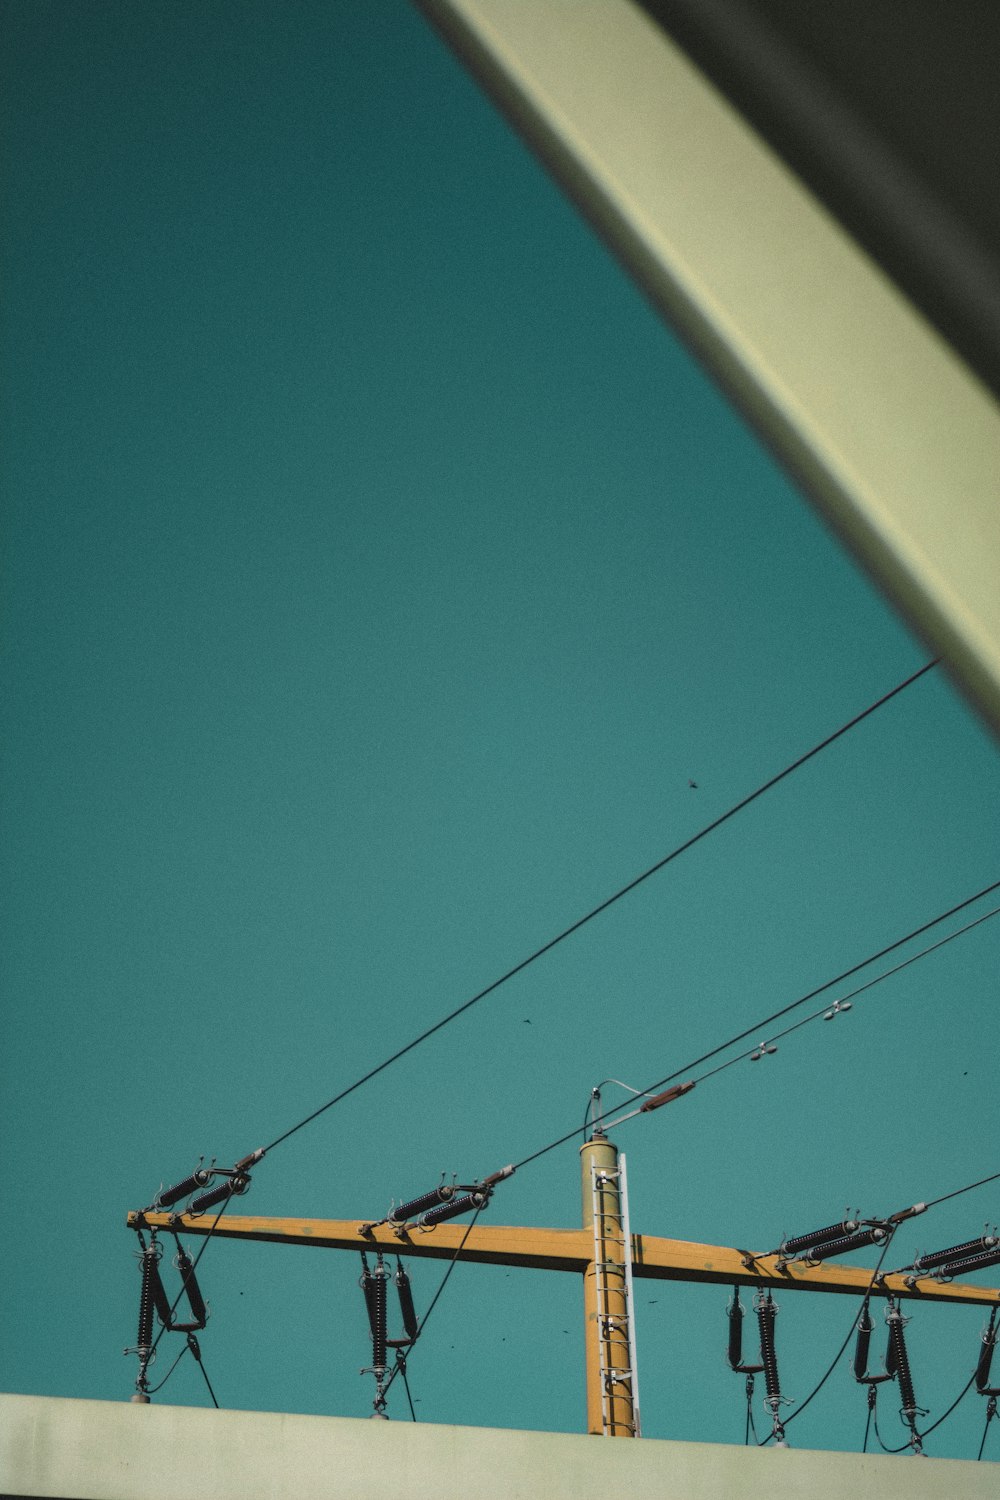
612	1406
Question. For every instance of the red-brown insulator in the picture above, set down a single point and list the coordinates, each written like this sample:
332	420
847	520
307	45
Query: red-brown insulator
956	1252
974	1263
406	1307
171	1195
818	1237
407	1211
452	1210
196	1301
847	1243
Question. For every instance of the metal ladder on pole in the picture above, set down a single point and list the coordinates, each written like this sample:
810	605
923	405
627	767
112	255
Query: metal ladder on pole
615	1302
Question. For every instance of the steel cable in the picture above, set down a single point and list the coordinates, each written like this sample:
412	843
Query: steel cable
610	901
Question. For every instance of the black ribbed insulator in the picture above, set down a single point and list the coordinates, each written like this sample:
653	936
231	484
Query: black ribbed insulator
406	1211
368	1287
452	1210
845	1245
217	1195
378	1315
766	1312
168	1196
147	1265
196	1301
974	1263
735	1314
900	1362
861	1354
406	1307
986	1356
160	1300
818	1237
862	1346
985	1242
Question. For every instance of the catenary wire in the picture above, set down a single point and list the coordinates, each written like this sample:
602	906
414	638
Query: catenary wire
596	911
778	1036
762	1025
986	1428
967	1189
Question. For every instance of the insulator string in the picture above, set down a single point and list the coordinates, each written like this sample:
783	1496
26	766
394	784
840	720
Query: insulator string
434	1300
837	1357
818	1237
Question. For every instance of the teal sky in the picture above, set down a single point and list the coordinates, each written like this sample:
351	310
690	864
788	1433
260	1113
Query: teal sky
378	573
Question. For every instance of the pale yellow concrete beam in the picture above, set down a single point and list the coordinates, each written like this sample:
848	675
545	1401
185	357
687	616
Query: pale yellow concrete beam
104	1450
886	429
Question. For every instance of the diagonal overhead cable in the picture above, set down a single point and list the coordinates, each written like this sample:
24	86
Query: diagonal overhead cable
654	1100
596	911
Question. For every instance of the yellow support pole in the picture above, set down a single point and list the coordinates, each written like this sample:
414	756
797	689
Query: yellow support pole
610	1378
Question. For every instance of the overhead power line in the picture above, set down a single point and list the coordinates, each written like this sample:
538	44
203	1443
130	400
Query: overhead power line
760	1027
841	1003
610	901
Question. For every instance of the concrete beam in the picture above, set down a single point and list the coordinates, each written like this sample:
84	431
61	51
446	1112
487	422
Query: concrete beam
104	1450
886	429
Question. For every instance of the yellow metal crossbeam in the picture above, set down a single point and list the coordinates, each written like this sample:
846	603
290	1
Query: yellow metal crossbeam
654	1258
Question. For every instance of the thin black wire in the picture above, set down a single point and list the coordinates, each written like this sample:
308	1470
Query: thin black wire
958	1191
433	1303
762	1025
944	1417
986	1427
840	1352
152	1390
610	901
751	1424
199	1363
868	1423
401	1363
902	1447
